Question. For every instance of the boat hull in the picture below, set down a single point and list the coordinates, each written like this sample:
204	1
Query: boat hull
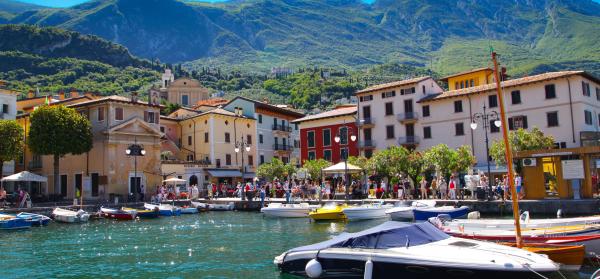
286	212
189	210
13	223
220	207
118	214
35	219
164	209
321	216
402	215
353	214
454	213
68	216
570	257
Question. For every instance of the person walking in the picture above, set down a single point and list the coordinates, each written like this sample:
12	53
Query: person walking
423	188
452	188
519	186
434	188
263	194
443	187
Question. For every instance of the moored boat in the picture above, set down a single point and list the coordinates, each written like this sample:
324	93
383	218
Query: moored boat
570	257
423	214
118	214
400	250
70	216
291	210
35	219
330	211
144	213
221	206
366	211
202	207
189	210
404	212
164	209
526	223
10	222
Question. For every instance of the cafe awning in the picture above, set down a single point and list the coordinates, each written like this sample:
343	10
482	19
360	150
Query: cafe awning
341	167
225	173
25	176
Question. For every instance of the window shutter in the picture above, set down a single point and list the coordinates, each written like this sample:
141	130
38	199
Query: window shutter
511	125
145	116
524	122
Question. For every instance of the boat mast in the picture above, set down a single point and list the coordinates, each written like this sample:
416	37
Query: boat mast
509	157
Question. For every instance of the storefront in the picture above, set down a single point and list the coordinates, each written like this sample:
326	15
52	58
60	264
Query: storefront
568	173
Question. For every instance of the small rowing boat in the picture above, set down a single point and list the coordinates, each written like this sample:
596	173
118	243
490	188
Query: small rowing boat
10	222
202	207
404	212
35	219
366	211
70	216
570	257
164	209
118	214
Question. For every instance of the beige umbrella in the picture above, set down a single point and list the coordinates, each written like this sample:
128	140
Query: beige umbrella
341	168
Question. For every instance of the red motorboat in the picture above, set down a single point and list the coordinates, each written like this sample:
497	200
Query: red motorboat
118	213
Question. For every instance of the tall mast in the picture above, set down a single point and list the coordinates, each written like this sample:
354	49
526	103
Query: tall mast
509	157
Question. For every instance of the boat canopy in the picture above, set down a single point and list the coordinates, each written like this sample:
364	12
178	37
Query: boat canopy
387	235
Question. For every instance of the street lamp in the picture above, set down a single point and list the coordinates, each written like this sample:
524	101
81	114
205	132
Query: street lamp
135	150
485	118
241	146
337	139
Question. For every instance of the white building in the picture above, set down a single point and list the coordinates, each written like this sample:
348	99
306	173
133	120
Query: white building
8	110
276	136
564	104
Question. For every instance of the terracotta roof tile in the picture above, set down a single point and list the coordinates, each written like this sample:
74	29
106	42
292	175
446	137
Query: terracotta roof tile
341	111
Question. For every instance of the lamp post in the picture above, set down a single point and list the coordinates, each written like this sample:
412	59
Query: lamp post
485	119
240	146
135	150
337	139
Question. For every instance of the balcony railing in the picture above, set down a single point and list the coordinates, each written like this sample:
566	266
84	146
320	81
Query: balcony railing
408	116
366	121
282	147
367	144
409	140
283	128
33	165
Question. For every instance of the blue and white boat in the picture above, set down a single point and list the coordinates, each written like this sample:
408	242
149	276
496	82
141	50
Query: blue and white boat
423	214
164	209
35	219
189	210
10	222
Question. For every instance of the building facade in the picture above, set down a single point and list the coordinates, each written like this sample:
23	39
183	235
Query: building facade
318	132
277	136
8	111
183	91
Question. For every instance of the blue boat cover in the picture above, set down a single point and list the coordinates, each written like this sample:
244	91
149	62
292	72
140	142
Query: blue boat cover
387	235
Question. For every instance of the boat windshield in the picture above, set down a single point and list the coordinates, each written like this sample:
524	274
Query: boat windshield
387	235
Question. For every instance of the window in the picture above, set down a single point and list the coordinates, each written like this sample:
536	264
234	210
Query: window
343	132
228	159
588	117
458	106
296	143
550	91
389	131
389	108
424	92
552	118
327	154
472	83
517	122
427	132
407	91
426	111
585	87
598	93
189	140
459	129
388	94
343	153
493	101
227	138
118	113
262	159
260	118
515	97
185	100
310	135
151	117
4	108
456	85
311	155
599	119
366	98
250	160
260	138
296	126
493	127
101	114
326	137
249	139
206	137
95	184
462	84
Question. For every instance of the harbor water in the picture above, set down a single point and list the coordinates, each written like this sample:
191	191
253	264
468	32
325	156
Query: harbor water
208	245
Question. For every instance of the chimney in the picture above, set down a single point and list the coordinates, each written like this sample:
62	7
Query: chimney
30	94
134	97
61	95
74	93
265	100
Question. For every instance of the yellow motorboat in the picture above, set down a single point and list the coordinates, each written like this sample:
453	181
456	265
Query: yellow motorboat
329	212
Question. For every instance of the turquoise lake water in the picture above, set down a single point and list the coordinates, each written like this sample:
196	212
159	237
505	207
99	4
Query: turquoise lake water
209	245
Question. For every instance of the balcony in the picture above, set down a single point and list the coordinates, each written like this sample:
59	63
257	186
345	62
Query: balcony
282	128
367	144
34	165
408	116
366	122
409	140
282	147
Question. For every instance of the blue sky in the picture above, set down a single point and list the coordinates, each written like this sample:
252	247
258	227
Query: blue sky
68	3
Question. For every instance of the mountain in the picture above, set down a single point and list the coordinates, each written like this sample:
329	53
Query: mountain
446	35
9	8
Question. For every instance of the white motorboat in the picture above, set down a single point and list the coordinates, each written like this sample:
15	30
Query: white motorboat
291	210
70	216
480	225
400	250
164	209
405	212
366	211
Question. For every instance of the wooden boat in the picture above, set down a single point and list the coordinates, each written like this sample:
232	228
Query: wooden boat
526	223
457	226
70	216
10	222
423	214
291	210
118	214
35	219
570	257
331	211
164	209
143	213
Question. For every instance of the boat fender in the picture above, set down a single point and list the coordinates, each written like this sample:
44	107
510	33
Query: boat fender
368	269
313	269
559	213
474	215
525	217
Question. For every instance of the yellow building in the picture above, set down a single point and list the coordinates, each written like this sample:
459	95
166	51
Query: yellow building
117	122
470	78
184	91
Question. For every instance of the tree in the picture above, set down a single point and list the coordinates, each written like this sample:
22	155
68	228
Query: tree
390	162
520	140
314	167
361	162
289	170
446	160
11	145
416	165
58	131
269	171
